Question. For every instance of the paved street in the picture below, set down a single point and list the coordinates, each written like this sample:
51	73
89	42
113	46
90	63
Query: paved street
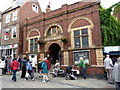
58	82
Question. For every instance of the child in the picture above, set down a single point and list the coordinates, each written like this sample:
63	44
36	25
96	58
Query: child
29	71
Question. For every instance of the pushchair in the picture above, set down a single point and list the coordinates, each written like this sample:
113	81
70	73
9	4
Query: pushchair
70	75
58	72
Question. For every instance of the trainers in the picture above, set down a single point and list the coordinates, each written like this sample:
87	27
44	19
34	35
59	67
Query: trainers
33	79
43	81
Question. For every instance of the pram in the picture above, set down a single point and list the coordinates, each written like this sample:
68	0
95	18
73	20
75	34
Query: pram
70	75
58	72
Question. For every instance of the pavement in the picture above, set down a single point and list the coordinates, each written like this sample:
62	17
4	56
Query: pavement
57	82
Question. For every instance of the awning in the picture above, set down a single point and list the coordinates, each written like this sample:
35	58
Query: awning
114	53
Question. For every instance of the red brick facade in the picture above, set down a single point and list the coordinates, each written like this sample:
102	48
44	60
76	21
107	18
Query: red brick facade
68	18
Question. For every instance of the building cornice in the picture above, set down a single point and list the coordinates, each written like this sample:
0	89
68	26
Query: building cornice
63	13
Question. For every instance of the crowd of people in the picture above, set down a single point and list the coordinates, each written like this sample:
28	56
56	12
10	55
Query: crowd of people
112	67
28	67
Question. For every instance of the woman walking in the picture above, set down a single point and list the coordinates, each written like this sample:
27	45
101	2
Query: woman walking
44	71
14	66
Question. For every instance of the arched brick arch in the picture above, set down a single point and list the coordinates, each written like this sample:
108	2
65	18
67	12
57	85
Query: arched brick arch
79	22
33	33
51	26
53	43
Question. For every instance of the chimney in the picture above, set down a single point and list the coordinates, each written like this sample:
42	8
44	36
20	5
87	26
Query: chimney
48	8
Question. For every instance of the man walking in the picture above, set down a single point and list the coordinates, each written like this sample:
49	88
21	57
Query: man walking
108	65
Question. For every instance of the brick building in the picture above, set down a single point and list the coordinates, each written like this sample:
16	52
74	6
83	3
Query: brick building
66	34
0	28
12	23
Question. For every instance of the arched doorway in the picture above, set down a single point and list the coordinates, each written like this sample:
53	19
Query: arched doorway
54	52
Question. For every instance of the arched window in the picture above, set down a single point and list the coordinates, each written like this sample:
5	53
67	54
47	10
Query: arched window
54	30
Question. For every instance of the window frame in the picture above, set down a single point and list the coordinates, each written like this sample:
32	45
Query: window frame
81	37
81	51
33	44
14	28
54	30
35	8
14	15
5	37
8	18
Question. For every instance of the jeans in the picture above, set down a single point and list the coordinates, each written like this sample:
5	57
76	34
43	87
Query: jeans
8	68
117	84
14	75
84	72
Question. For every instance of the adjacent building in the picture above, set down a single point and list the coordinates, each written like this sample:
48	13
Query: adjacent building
0	28
66	34
12	25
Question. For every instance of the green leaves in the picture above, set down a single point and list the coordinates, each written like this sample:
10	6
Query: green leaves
110	27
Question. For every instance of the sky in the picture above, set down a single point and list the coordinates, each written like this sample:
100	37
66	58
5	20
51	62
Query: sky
55	4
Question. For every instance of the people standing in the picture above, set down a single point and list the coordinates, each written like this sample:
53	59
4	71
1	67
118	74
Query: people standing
19	60
2	66
24	61
8	65
29	70
44	71
83	66
14	66
108	65
34	62
48	65
56	68
116	74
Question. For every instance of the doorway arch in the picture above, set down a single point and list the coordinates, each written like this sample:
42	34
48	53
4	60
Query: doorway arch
54	52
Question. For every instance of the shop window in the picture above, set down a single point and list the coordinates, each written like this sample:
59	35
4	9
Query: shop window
78	54
81	38
35	8
8	18
54	30
7	34
14	16
14	32
33	45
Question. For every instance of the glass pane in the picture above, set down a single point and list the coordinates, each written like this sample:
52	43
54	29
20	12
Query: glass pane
35	48
84	54
53	29
31	48
85	41
58	29
36	40
77	33
31	41
84	32
77	42
49	32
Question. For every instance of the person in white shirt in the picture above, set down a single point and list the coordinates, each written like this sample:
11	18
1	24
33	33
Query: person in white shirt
34	62
56	68
108	65
2	66
116	74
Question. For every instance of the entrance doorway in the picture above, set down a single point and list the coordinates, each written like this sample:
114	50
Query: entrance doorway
54	53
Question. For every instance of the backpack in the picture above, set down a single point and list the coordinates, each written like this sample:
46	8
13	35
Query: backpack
86	62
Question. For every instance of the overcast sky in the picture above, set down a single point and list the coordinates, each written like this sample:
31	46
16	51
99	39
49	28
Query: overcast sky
4	4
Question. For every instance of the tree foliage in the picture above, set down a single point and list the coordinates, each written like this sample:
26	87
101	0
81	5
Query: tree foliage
110	27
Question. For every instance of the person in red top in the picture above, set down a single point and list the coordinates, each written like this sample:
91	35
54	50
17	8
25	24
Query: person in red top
48	66
14	67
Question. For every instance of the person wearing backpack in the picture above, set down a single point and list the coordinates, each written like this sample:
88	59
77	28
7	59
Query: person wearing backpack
83	66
